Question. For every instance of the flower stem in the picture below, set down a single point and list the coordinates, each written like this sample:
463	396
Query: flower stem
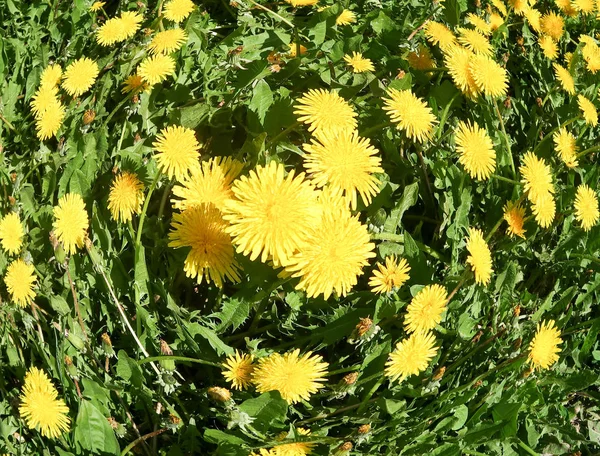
506	140
506	179
138	238
587	151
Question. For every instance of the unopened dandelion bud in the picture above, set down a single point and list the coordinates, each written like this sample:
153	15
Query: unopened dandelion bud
439	373
89	116
344	449
350	379
168	364
71	369
107	345
219	394
364	428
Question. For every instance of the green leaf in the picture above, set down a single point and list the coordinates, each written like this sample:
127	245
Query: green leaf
93	433
268	410
213	339
233	313
408	199
262	99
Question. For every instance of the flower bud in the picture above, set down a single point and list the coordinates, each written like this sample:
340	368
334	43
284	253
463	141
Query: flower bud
219	394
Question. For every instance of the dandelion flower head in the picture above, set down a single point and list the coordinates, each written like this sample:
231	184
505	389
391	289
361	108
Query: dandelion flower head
51	76
390	276
489	76
325	112
168	41
238	369
177	151
537	177
50	120
544	209
439	34
346	17
590	115
358	63
411	114
476	150
543	349
80	76
480	257
156	68
564	77
549	47
71	222
20	279
458	60
126	197
552	25
474	41
514	215
566	146
425	310
586	207
421	58
11	233
135	84
411	356
178	10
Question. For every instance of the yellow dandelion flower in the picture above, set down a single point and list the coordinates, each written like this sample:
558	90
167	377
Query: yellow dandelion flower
50	120
566	147
474	41
591	54
391	276
97	6
135	83
178	10
496	21
238	369
295	448
347	162
440	34
110	32
262	452
544	209
80	76
514	215
51	76
211	255
295	376
44	98
549	47
420	59
167	41
476	150
40	406
489	76
552	25
325	112
425	310
177	151
130	22
566	6
520	6
20	279
584	6
156	68
586	207
333	256
537	177
271	214
534	17
458	60
346	17
590	115
500	6
71	222
358	63
543	349
126	197
564	77
11	233
480	24
294	50
411	356
412	114
295	3
480	257
209	182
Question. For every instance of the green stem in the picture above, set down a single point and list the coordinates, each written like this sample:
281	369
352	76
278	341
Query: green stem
587	151
526	448
119	106
8	124
282	134
506	140
138	238
178	358
283	19
506	179
343	370
375	128
163	200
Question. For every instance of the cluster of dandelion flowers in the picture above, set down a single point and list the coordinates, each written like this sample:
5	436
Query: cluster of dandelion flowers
156	68
346	17
564	77
126	197
271	214
425	310
80	76
40	406
458	60
211	254
548	46
588	110
295	376
334	255
177	151
480	257
490	78
238	369
412	114
20	279
325	112
411	356
544	209
420	59
566	146
543	349
586	207
135	84
345	161
474	41
390	276
71	222
51	76
168	41
178	10
208	182
358	63
514	215
439	34
11	233
476	150
537	177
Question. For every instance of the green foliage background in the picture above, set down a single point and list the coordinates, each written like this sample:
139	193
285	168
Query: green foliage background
225	88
